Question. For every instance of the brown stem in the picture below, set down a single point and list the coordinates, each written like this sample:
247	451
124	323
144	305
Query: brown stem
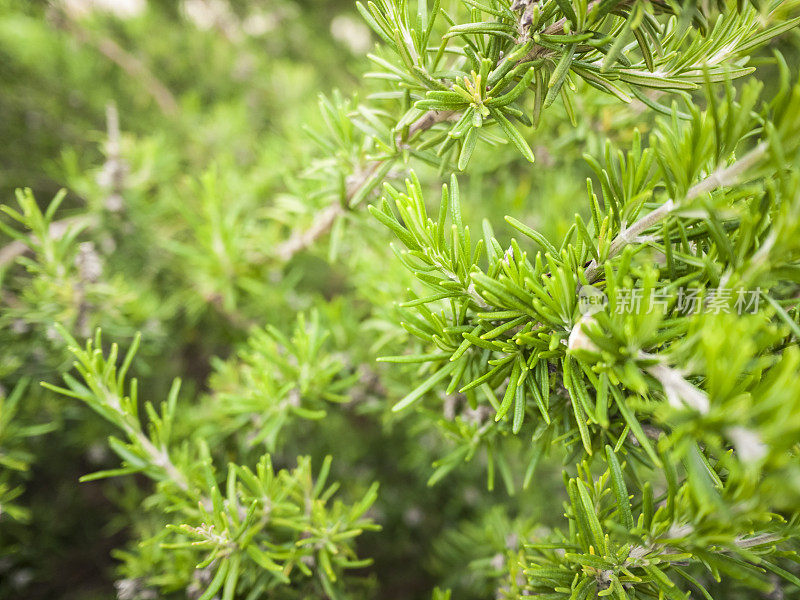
300	240
554	29
126	61
429	119
721	177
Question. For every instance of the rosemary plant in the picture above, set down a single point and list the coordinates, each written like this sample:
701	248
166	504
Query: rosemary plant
570	374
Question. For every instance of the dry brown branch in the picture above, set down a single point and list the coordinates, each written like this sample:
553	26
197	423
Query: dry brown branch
300	240
129	63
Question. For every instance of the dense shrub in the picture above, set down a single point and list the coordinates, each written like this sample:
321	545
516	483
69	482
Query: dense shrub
252	347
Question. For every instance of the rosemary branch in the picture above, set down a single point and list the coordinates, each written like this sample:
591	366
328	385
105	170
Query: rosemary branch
721	177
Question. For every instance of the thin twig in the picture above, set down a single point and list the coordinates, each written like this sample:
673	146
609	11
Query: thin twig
556	28
300	240
127	62
112	177
728	175
137	69
722	177
678	531
428	120
626	236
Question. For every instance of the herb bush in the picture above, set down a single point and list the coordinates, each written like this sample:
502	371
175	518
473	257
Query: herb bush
395	299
